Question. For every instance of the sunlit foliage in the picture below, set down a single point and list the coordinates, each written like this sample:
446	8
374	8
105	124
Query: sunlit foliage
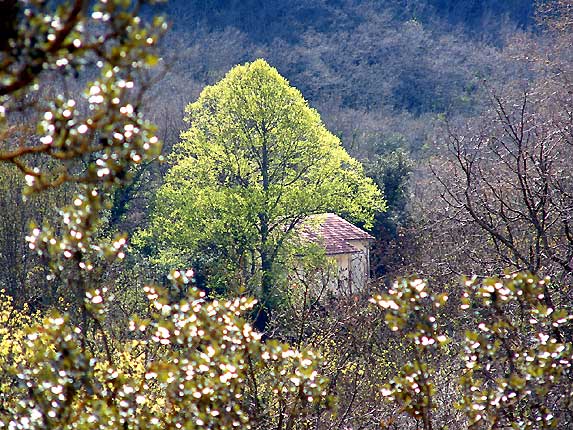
516	362
518	359
193	364
255	162
410	311
13	325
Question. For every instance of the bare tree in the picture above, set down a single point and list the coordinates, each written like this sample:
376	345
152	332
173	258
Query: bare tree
509	179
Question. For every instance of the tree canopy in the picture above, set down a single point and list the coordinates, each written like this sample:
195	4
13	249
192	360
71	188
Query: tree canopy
255	162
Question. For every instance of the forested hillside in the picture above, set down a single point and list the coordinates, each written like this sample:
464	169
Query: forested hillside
363	64
168	175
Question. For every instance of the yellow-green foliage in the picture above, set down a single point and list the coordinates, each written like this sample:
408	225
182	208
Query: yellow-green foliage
13	328
254	163
192	364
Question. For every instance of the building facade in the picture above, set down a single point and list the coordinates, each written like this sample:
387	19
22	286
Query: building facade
345	244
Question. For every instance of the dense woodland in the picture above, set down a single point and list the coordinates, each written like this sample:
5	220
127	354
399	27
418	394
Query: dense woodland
158	161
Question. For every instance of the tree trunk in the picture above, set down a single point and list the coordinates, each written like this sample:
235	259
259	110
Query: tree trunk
266	255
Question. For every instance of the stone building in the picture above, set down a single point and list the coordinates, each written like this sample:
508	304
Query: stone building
345	244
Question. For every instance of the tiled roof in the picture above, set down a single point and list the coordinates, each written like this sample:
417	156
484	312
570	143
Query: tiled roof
335	233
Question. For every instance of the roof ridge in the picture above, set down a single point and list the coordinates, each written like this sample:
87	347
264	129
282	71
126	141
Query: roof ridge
336	232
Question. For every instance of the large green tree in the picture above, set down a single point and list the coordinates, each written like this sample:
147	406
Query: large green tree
255	162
